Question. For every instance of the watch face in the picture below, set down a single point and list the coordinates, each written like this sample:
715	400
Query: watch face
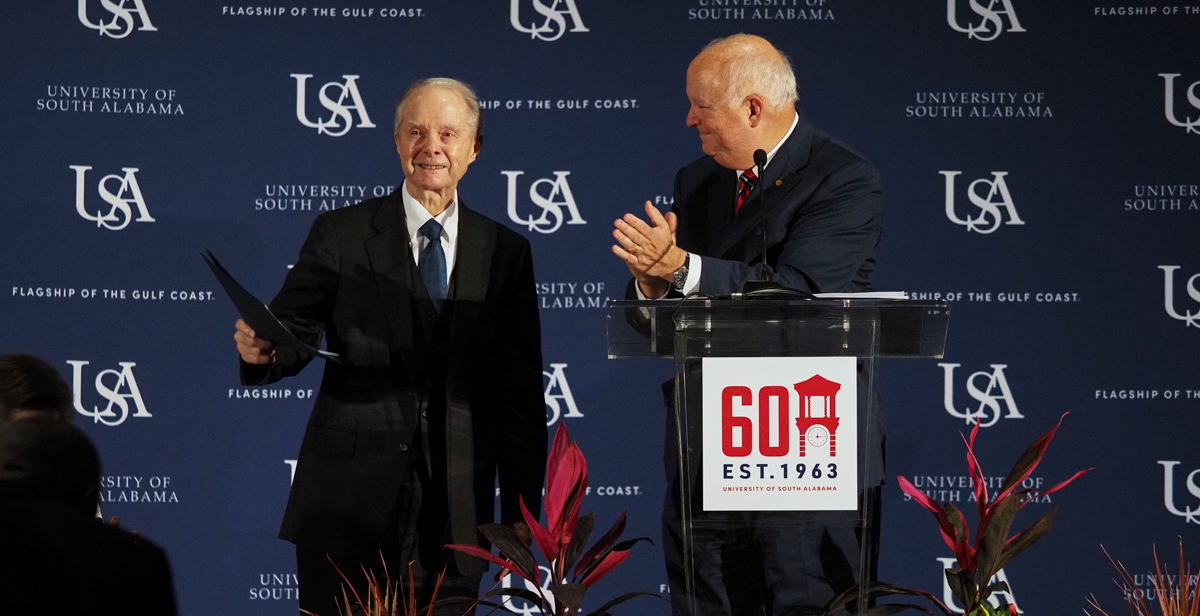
817	436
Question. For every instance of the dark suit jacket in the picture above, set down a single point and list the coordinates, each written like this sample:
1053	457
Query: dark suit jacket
354	283
58	560
824	213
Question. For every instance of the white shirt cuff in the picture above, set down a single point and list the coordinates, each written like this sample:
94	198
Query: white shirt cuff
690	285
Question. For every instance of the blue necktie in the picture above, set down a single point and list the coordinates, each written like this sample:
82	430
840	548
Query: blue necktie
433	263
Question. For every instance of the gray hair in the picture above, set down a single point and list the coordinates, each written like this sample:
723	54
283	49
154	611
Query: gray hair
458	87
752	72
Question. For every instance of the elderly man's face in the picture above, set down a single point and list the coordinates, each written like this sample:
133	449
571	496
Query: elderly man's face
436	139
725	132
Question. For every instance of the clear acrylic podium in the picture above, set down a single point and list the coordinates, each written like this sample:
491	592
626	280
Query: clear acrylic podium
847	332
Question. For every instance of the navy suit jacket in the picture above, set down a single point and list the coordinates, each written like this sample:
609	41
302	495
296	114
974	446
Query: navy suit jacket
355	284
824	211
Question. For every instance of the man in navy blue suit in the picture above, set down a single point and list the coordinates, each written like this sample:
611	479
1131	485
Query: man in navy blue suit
823	207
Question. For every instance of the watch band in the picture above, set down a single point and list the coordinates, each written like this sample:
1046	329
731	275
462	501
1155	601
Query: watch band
680	276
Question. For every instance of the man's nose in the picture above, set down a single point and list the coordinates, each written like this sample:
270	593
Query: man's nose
693	118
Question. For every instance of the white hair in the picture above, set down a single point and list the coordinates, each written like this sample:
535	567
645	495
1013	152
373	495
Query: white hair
454	85
748	71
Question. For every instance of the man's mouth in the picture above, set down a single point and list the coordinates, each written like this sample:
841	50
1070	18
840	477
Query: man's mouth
431	167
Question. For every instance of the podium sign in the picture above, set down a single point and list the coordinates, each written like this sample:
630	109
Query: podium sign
773	436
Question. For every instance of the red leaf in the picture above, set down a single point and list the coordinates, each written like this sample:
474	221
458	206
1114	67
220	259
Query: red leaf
479	552
541	535
602	545
948	531
561	440
1028	462
609	563
1064	484
978	481
561	487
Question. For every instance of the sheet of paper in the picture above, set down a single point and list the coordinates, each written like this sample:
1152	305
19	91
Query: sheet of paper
258	316
864	295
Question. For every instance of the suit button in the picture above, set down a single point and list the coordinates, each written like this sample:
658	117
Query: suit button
404	448
412	395
424	413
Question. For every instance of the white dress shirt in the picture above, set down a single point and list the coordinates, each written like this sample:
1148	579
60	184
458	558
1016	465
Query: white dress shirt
415	215
696	263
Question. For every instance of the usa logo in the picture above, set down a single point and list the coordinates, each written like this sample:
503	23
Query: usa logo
119	387
554	23
558	396
556	198
334	97
991	19
1189	514
124	18
993	600
1191	319
990	197
990	389
120	192
1187	123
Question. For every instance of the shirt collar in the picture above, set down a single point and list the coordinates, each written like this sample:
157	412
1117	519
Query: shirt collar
415	215
771	154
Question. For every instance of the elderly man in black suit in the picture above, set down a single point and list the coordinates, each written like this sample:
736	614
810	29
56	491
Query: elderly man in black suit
823	209
433	310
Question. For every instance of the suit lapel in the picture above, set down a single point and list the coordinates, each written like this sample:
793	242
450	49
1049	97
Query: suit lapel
779	178
388	253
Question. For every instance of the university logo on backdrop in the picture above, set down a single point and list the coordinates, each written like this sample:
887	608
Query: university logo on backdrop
558	197
558	396
127	196
992	18
990	394
1191	319
340	120
554	19
992	199
119	387
124	18
993	600
1189	514
1188	124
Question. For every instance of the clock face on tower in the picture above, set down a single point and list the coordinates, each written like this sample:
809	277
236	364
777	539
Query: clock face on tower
817	436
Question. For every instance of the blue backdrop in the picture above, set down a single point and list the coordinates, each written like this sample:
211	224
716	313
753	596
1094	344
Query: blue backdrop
1041	164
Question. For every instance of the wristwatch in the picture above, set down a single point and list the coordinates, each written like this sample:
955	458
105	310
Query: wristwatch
681	274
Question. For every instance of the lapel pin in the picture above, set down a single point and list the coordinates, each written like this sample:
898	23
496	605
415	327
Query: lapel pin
779	182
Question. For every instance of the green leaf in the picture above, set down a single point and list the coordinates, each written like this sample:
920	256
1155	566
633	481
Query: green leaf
1027	537
570	595
993	535
603	609
583	532
512	547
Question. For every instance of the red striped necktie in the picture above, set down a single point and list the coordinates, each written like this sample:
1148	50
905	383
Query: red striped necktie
745	185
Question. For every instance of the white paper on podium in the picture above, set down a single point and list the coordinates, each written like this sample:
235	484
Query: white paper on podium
780	434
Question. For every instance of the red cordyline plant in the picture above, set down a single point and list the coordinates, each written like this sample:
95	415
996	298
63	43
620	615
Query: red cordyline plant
562	541
1174	598
992	549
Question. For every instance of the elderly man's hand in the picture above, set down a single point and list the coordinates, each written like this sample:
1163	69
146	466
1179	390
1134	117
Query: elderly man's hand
649	251
254	350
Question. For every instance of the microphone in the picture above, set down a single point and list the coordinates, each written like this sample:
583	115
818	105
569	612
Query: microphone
762	287
760	161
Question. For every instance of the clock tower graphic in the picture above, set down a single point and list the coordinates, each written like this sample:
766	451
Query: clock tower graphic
819	421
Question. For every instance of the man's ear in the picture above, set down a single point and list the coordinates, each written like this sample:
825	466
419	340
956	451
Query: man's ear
754	107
